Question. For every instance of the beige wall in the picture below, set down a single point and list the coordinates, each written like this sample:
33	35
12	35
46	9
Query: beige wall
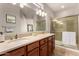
67	12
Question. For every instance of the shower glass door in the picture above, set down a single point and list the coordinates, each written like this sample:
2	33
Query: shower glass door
65	24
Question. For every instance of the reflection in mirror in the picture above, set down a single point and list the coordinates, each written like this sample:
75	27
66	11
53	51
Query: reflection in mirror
29	27
40	24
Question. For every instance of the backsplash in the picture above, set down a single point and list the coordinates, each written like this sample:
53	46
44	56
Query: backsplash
9	36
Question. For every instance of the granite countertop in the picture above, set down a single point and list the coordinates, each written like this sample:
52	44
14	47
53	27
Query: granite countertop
16	43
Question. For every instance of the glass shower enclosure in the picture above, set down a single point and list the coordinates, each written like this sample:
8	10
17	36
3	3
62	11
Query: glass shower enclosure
65	24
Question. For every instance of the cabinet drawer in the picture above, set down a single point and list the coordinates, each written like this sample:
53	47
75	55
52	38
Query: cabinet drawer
43	41
34	52
17	52
43	45
43	50
32	46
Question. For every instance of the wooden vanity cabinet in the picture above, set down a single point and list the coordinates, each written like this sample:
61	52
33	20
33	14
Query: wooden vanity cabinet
33	49
43	47
50	46
53	41
34	52
43	41
17	52
43	50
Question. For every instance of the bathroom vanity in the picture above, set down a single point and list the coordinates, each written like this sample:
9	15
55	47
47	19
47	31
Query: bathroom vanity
39	45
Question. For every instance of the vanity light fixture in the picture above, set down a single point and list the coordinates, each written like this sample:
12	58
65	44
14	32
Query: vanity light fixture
40	10
41	13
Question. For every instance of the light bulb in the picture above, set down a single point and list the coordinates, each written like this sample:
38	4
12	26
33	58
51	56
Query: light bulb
42	14
45	14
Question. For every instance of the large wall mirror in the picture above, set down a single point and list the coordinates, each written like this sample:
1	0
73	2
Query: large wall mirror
40	24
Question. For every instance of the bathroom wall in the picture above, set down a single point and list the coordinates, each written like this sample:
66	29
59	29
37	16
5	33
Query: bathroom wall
21	21
10	9
67	12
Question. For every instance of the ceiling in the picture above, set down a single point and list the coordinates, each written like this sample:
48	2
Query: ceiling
29	12
56	7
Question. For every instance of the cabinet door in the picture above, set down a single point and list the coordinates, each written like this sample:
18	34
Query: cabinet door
34	52
51	46
43	41
53	41
43	51
17	52
32	46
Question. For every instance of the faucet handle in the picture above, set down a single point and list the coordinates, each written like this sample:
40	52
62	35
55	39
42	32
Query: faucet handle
16	36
